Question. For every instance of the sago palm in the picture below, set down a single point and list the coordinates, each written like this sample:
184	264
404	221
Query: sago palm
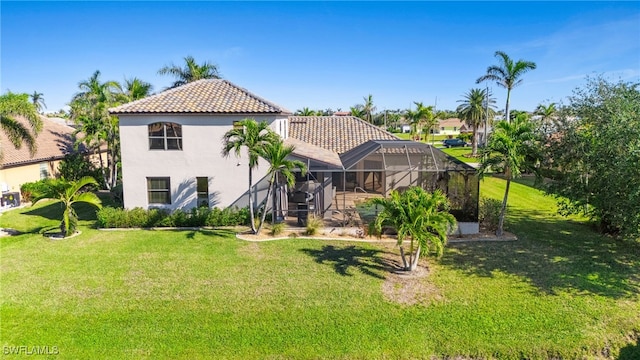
420	216
276	153
253	136
69	193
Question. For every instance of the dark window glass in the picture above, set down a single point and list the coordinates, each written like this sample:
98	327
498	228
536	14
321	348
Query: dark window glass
165	136
159	190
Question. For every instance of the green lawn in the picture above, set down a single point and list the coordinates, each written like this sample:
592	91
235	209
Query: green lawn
560	291
460	152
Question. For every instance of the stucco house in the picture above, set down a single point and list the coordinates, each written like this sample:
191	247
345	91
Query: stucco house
19	166
171	154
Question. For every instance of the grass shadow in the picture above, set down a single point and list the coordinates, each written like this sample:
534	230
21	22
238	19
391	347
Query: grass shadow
344	259
555	254
631	351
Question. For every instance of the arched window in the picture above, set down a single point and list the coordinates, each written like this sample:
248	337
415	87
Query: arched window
165	136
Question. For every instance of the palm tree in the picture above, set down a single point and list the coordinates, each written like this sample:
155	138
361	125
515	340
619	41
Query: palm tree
305	112
191	71
511	149
357	111
254	136
368	108
13	106
473	111
135	89
276	154
423	115
69	193
89	110
37	100
547	113
421	216
507	74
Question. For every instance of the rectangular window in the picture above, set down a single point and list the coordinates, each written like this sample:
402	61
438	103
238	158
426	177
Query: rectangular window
44	173
203	191
165	136
159	190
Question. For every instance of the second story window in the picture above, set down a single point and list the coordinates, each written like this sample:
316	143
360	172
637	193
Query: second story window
165	136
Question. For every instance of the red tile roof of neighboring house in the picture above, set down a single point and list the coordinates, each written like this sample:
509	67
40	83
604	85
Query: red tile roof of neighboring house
338	134
207	96
53	142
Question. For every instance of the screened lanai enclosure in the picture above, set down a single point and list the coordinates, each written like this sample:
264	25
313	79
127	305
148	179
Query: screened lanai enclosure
336	185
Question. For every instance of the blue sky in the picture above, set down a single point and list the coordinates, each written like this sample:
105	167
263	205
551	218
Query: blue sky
322	54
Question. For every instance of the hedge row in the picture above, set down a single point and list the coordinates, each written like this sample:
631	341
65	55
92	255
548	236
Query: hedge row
109	217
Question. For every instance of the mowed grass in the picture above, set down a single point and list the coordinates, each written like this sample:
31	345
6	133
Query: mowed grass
560	291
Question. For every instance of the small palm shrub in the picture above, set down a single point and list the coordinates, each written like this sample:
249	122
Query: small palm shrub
489	213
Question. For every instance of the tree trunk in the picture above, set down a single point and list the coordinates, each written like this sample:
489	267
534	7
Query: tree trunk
266	202
404	259
504	204
251	213
474	141
506	111
414	263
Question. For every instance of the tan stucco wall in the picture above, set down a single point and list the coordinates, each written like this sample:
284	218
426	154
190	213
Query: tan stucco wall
14	177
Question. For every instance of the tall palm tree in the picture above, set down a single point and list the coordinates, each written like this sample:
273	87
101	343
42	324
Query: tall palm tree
421	216
474	108
511	149
69	193
13	106
37	100
276	154
135	89
191	71
368	108
254	136
89	110
507	74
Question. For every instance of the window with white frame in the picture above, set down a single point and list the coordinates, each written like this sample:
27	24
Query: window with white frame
159	190
165	136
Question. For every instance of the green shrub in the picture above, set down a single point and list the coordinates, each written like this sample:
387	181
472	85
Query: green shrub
30	190
489	213
110	217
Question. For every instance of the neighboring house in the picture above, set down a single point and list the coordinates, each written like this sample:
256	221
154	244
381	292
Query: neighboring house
172	142
171	145
451	126
18	166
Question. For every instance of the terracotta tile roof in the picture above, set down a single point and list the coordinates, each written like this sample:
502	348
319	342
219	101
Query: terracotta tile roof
53	142
203	96
338	134
308	151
